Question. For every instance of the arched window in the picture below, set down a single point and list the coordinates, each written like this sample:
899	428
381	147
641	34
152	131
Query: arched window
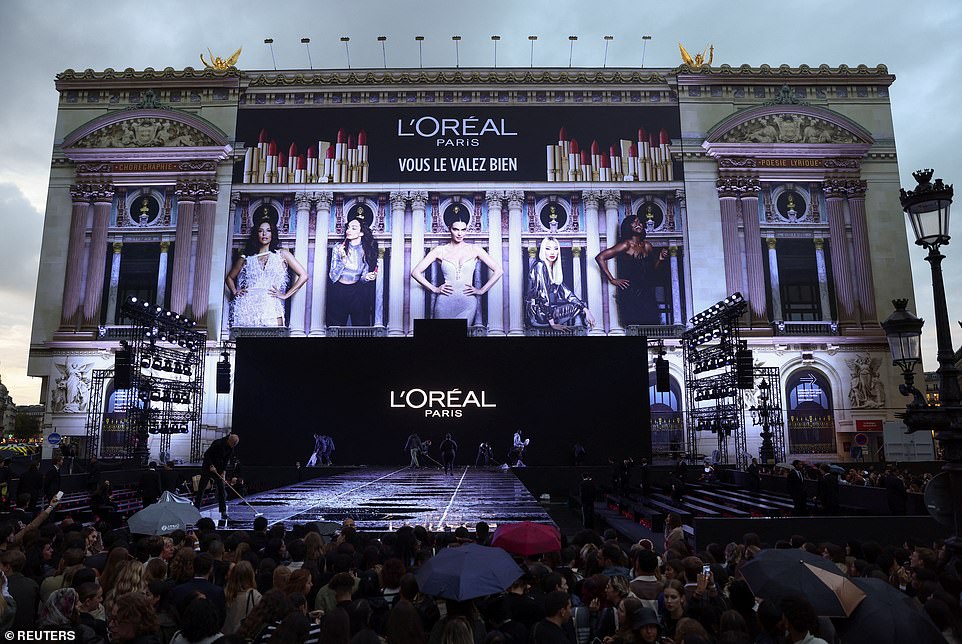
667	427
811	417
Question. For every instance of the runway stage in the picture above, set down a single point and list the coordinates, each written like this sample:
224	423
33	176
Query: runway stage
384	499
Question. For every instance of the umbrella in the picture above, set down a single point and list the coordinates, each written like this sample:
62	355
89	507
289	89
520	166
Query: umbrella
467	571
774	574
784	466
887	615
169	514
527	538
838	469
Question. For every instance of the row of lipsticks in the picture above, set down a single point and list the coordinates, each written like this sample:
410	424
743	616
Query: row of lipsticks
343	162
647	159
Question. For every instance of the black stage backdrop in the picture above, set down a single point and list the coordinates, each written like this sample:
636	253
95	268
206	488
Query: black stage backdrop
370	394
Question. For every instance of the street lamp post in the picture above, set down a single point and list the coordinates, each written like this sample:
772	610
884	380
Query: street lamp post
927	208
760	416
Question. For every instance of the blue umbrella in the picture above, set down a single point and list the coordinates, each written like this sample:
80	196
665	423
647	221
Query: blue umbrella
467	571
170	513
887	615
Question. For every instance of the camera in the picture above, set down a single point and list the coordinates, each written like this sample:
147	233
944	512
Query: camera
706	570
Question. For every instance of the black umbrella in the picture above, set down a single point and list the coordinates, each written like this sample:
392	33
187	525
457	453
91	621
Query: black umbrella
467	571
774	574
170	513
887	616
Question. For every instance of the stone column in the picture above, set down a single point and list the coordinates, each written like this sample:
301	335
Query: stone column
76	256
728	189
298	322
864	284
841	269
206	212
495	201
162	272
180	279
94	290
419	202
676	318
322	226
753	251
379	289
776	284
576	270
612	199
118	248
516	267
593	246
395	314
822	279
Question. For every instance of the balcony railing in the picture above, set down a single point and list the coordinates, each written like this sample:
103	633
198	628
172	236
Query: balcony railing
783	327
655	330
259	332
356	332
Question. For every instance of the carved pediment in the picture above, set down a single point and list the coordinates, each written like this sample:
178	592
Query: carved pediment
789	125
787	128
146	132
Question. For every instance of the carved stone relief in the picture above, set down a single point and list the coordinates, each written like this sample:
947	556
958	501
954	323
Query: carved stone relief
788	128
146	133
866	390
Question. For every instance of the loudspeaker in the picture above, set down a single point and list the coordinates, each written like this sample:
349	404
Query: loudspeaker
662	381
122	369
223	377
744	369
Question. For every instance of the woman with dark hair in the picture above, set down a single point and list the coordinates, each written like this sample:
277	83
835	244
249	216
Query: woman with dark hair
404	625
353	272
199	623
258	281
637	264
272	608
457	298
549	302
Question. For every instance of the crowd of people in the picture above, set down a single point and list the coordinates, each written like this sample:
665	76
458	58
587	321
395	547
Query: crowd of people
271	584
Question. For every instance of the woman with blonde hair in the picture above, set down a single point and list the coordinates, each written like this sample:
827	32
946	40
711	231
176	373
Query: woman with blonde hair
549	302
241	595
130	579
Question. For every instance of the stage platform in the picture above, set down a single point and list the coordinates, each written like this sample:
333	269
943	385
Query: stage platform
384	499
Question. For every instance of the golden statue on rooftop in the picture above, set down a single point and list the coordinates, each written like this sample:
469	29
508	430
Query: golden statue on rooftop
216	62
699	59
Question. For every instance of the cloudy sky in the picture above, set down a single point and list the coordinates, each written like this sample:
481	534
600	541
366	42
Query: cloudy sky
43	38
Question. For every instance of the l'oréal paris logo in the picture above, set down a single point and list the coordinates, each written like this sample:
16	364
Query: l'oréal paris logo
438	403
448	132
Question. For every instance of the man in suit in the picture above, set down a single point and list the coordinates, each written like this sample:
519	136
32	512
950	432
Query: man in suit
150	484
24	590
203	564
827	492
796	489
215	465
895	492
51	480
169	478
31	482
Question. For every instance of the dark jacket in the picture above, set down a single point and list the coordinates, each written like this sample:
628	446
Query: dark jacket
26	593
150	486
795	484
828	492
51	482
895	494
31	483
218	455
169	480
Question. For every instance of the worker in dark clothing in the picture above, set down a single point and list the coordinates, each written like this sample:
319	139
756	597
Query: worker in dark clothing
213	469
51	480
413	447
169	478
588	493
149	485
449	450
31	482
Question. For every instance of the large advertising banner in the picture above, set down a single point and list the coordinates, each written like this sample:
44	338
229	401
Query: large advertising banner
458	254
445	143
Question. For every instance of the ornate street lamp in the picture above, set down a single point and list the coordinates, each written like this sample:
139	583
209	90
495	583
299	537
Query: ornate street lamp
927	208
904	332
760	416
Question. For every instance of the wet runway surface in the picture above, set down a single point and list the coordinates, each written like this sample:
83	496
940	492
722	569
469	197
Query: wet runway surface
384	499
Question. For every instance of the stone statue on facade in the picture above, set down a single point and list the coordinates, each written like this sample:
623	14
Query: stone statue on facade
73	386
866	390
